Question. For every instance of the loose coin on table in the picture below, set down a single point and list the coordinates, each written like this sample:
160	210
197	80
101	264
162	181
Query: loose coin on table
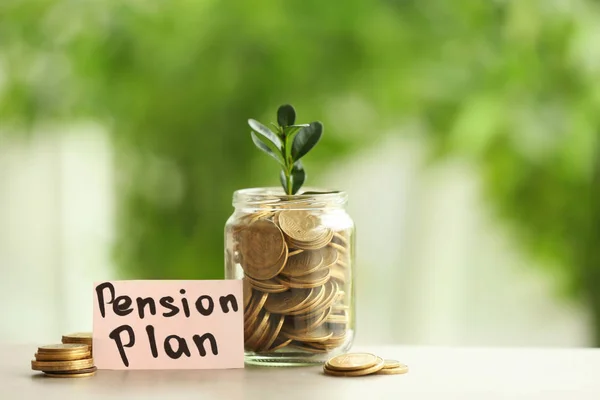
400	369
356	372
352	361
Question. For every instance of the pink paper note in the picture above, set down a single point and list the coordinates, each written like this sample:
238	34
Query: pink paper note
168	324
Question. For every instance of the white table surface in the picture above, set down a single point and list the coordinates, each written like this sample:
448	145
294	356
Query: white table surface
435	373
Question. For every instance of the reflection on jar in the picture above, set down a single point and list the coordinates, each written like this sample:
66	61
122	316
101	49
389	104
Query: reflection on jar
295	256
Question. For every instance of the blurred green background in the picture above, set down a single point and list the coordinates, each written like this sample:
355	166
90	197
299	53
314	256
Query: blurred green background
511	85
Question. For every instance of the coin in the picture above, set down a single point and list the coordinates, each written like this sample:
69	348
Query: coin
401	369
391	364
62	356
359	372
306	311
330	291
61	365
302	264
256	305
321	275
78	337
280	344
300	326
301	225
320	242
261	247
257	329
73	375
247	292
337	247
282	303
63	348
340	239
330	256
268	286
353	361
295	252
79	371
318	335
273	333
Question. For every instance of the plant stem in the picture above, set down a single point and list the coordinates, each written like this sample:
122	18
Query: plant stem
288	165
288	179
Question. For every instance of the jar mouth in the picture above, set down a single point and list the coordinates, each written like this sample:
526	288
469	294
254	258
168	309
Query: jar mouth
310	198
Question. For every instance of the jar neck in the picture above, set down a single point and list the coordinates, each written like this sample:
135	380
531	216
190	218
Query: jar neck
274	198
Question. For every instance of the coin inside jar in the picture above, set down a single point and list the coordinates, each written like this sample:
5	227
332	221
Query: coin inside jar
262	249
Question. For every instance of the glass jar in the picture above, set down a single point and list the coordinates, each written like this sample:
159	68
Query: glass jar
295	255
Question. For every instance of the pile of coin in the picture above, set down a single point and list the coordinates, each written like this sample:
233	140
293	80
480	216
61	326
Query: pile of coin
296	280
361	364
66	360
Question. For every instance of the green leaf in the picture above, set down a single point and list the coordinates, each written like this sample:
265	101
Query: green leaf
286	115
289	132
268	147
306	139
298	177
314	192
265	132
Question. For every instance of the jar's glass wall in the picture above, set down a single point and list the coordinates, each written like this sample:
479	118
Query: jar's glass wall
295	255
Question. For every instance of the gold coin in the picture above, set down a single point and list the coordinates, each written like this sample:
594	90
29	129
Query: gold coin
63	348
263	335
256	305
401	369
75	375
330	256
315	298
330	292
317	244
353	362
293	284
256	330
282	303
79	371
301	225
338	318
320	275
308	347
337	247
391	364
340	239
302	264
301	325
318	335
247	292
81	337
359	372
273	333
338	272
262	248
279	344
62	356
268	286
61	365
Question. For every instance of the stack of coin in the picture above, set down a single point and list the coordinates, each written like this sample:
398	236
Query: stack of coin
361	364
69	360
296	280
79	338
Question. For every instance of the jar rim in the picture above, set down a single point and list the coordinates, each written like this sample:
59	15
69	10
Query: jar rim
271	196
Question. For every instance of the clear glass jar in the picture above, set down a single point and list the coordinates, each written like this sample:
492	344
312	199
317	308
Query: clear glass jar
295	255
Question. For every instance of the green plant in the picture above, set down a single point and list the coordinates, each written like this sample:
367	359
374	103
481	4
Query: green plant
288	144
